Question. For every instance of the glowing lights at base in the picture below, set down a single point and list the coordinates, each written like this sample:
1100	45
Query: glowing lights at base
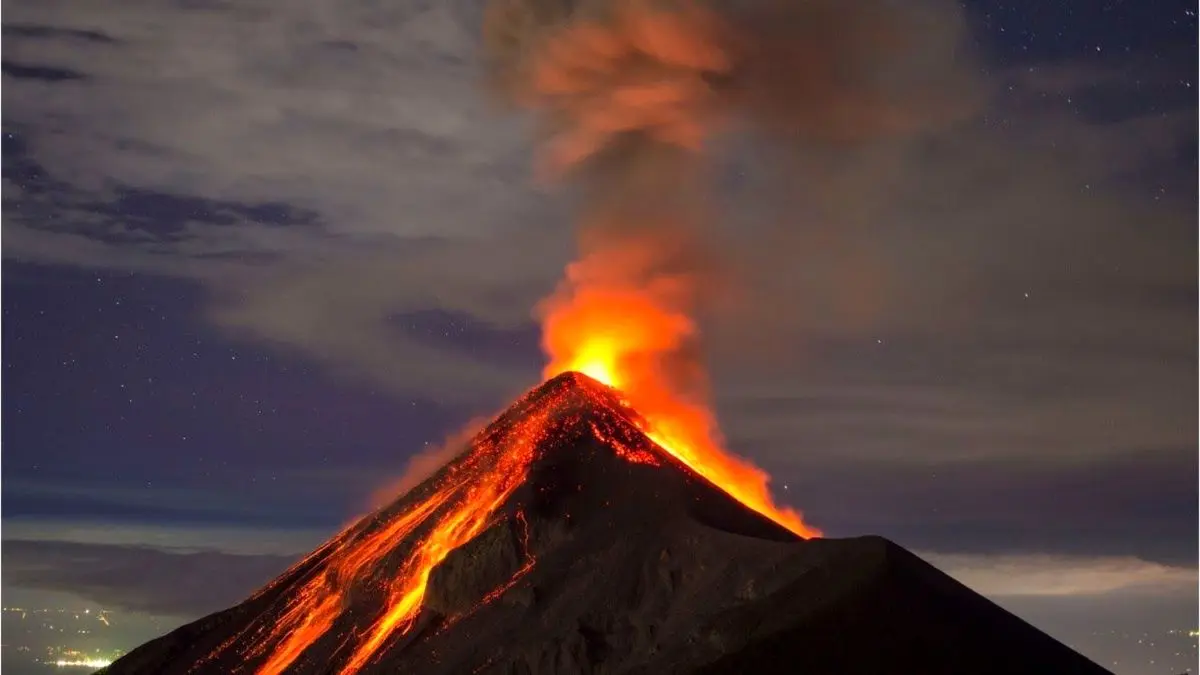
83	663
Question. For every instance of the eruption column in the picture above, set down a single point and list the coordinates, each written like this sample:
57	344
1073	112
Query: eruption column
628	92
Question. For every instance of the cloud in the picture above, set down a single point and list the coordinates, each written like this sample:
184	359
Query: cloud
1051	575
388	168
1011	287
261	78
344	310
137	578
219	499
173	537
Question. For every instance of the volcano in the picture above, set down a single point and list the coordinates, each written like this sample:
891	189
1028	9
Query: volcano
564	540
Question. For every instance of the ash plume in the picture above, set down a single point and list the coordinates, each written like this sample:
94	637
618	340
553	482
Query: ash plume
629	93
619	83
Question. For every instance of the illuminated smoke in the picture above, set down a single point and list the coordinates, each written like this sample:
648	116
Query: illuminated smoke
616	82
628	93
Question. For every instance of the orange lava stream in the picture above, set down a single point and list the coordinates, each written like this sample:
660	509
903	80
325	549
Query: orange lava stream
464	520
620	334
459	510
318	602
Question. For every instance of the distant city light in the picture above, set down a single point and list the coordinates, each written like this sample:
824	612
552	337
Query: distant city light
83	663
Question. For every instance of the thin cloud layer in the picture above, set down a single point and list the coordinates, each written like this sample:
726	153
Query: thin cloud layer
139	579
1049	575
169	537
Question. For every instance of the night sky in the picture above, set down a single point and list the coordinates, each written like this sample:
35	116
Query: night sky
256	256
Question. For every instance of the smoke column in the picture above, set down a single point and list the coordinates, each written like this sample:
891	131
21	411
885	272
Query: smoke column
626	93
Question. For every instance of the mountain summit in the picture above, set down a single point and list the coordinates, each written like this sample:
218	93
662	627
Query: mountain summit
563	540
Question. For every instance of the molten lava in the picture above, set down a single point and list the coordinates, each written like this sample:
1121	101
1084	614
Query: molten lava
628	335
468	517
461	504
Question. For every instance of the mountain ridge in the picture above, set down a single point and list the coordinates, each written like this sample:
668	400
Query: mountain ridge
599	552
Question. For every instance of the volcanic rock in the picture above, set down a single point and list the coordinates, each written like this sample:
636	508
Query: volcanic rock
608	556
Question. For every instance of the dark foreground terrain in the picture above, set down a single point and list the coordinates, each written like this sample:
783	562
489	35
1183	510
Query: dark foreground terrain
610	557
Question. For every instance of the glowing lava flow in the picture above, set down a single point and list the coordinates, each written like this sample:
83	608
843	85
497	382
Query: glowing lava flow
317	604
461	523
460	508
622	334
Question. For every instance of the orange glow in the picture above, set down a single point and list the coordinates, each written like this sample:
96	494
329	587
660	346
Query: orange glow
317	603
397	552
459	509
627	334
462	523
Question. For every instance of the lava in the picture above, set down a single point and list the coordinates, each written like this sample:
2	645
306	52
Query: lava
460	508
469	516
628	333
317	604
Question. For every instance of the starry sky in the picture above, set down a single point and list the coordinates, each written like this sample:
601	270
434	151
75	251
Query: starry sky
258	255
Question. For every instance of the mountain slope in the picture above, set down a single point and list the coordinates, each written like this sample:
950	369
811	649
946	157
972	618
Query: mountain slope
564	541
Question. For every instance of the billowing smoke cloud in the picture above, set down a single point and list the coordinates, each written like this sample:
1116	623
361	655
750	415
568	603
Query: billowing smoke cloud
619	82
631	93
